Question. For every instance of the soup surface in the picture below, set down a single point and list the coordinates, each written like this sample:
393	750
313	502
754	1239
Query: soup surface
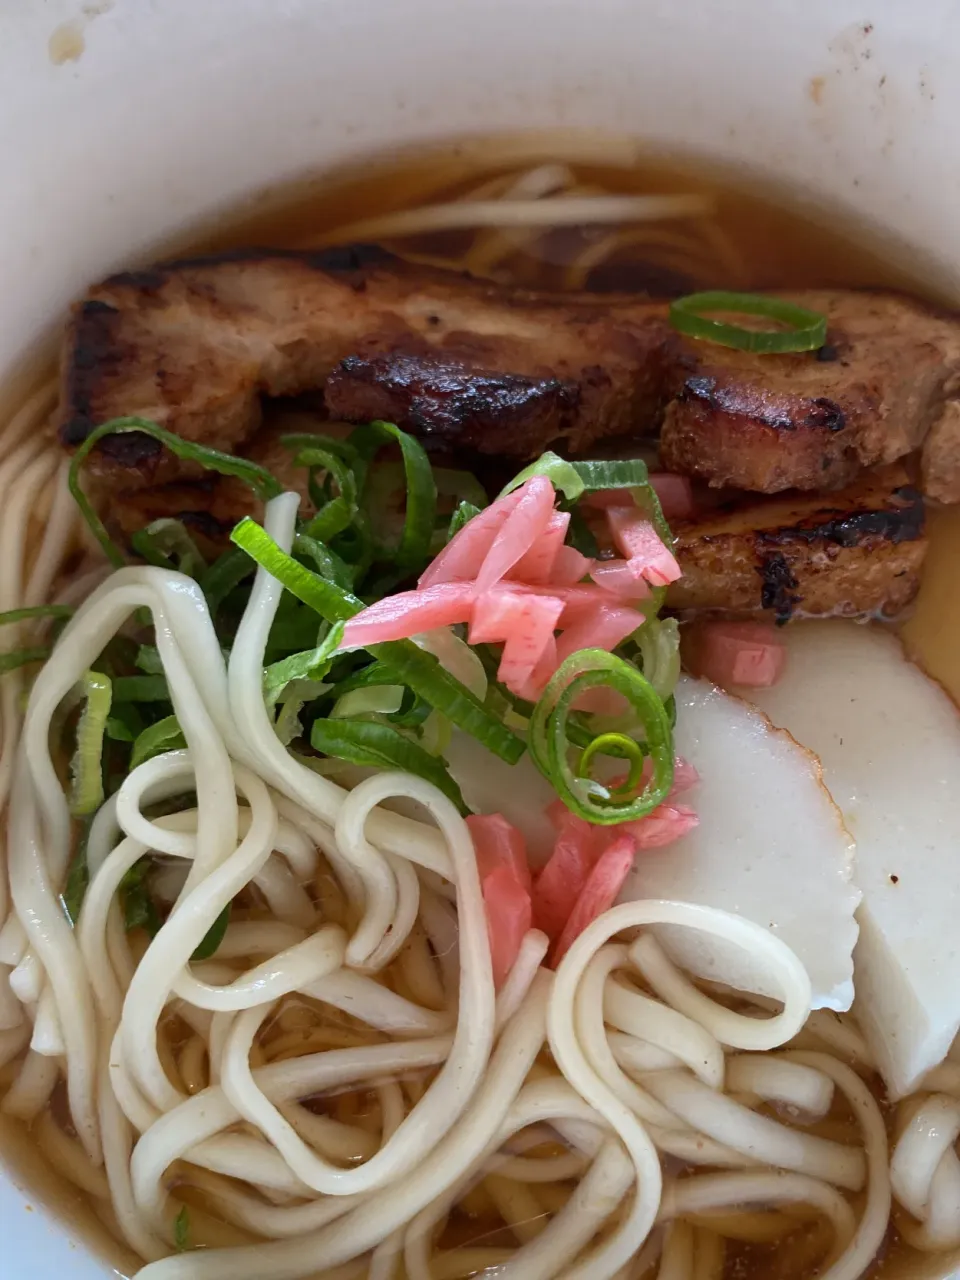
750	239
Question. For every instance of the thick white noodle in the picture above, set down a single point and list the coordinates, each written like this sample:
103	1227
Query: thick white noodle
392	994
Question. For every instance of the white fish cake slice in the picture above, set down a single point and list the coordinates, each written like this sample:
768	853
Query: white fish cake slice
889	741
771	846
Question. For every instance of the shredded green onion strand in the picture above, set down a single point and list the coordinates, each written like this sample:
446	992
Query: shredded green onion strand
462	515
149	661
550	743
263	484
413	549
420	671
167	543
181	1230
214	936
78	877
124	723
334	514
224	575
23	657
141	689
332	603
451	482
618	473
86	768
372	743
563	475
348	453
164	735
805	330
312	664
423	673
139	909
294	698
328	564
36	611
455	656
658	642
581	535
385	699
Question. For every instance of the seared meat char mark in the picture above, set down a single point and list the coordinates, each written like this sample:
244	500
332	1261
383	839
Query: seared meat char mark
478	367
504	414
852	553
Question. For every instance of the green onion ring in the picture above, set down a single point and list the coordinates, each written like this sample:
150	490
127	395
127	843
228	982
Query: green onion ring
263	484
549	743
806	331
622	748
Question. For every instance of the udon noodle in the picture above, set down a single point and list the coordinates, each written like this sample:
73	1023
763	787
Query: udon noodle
339	1092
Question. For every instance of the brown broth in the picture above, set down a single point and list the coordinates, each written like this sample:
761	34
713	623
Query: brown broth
781	241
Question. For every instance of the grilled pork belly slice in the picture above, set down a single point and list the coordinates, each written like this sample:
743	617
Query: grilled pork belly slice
854	553
773	422
194	345
476	368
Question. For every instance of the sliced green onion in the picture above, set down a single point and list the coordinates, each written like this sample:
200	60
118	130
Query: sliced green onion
295	628
139	909
332	603
414	668
368	677
581	535
148	660
463	515
36	611
213	937
294	698
181	1230
224	575
117	731
423	673
413	549
78	877
329	565
617	473
86	768
165	735
166	538
383	700
334	514
562	475
371	743
658	641
620	747
805	330
263	484
341	449
550	744
141	689
462	485
436	734
311	664
455	656
23	657
413	713
124	723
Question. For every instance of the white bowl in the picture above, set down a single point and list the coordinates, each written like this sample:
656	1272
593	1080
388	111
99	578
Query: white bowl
174	109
